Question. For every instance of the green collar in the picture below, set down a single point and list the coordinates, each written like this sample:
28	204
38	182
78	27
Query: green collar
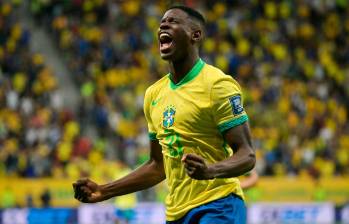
188	77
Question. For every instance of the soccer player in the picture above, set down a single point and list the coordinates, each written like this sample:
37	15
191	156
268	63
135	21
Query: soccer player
199	133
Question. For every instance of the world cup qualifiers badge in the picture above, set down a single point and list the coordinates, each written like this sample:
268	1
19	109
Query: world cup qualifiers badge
236	104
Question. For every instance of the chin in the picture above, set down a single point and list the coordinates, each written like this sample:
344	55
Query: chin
166	57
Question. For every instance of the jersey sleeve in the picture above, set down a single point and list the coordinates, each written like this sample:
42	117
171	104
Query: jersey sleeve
146	107
227	104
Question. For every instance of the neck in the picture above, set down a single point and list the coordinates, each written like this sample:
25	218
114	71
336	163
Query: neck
181	67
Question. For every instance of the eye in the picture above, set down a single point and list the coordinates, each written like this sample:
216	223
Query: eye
169	20
172	20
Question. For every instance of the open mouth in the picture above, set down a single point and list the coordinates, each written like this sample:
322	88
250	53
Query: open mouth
166	41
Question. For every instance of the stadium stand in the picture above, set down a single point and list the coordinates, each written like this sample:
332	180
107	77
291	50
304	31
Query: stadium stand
39	137
291	59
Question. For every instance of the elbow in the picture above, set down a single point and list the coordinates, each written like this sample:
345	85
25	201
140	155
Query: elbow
161	173
251	161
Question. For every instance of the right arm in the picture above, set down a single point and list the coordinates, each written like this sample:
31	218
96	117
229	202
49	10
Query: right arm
146	176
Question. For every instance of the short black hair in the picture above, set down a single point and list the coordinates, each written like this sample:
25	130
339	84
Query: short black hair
191	12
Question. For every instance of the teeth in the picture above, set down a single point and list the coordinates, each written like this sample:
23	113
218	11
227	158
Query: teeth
162	35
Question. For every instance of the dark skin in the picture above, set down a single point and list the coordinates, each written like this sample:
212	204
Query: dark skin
148	175
185	34
242	161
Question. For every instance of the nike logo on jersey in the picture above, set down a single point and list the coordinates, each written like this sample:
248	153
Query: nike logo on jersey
154	102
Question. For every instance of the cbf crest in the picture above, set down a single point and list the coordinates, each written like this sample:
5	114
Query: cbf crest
168	116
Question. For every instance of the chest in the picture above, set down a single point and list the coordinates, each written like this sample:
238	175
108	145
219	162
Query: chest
187	109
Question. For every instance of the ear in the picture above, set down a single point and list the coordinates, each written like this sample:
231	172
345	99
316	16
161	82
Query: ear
196	36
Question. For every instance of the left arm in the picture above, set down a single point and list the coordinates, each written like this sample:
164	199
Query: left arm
242	161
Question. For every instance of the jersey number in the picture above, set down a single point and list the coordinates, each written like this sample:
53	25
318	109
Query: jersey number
174	145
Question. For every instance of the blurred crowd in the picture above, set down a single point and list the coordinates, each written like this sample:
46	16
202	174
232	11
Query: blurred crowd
290	57
30	108
39	136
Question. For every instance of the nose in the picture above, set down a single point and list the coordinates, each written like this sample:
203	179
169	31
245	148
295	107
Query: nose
164	25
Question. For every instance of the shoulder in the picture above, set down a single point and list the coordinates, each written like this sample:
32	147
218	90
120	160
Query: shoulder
214	72
216	78
157	86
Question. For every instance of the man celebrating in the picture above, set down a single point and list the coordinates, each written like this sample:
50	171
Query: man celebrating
199	134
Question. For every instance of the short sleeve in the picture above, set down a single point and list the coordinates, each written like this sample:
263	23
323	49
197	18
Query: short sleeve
227	104
146	107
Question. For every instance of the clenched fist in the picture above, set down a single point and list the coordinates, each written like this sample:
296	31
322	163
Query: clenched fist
87	191
196	167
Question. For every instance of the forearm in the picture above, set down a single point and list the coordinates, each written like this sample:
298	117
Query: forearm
148	175
234	166
249	181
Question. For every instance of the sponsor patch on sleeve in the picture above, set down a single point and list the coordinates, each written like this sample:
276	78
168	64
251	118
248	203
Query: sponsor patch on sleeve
236	104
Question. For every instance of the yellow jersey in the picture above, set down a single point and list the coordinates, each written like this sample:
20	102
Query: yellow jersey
190	117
